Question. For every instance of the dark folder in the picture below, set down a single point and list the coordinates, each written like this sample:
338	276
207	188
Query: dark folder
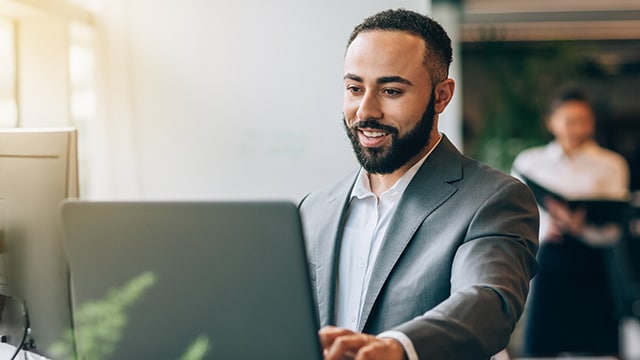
598	211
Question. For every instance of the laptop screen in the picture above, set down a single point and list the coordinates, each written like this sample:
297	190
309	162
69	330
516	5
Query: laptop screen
165	280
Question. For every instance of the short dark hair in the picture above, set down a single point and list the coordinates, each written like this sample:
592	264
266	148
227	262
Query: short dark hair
438	52
567	94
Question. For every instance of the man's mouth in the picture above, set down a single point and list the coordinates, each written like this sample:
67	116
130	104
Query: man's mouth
373	134
372	137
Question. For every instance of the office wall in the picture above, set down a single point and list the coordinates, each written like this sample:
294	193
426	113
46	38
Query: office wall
226	99
43	72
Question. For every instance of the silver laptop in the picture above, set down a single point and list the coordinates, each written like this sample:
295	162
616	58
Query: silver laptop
189	280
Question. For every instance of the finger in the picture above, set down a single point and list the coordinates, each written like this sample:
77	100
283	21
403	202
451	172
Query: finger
381	349
557	209
347	346
371	351
329	333
554	234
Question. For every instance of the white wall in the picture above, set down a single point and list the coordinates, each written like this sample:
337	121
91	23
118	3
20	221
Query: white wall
43	71
227	99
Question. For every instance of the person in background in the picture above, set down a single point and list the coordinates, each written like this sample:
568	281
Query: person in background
422	253
571	308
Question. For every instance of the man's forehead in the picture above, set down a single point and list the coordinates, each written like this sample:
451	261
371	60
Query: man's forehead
376	54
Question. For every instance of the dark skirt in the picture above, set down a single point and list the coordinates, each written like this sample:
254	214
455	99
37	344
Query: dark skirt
571	308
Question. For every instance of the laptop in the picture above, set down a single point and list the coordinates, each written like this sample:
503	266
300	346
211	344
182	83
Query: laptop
189	280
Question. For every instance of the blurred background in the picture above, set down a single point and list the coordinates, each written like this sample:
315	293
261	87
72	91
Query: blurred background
212	99
242	99
515	53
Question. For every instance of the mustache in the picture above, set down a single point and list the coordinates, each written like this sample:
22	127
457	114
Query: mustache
373	124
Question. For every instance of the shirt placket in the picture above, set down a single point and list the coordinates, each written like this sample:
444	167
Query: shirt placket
364	257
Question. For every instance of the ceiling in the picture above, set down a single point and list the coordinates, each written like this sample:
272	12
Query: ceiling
614	25
527	20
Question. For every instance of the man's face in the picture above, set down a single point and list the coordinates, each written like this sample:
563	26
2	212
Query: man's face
388	101
572	124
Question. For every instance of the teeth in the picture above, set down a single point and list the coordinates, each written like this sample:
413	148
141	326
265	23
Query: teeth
373	133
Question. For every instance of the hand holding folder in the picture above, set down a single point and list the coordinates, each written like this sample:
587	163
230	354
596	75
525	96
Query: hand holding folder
598	211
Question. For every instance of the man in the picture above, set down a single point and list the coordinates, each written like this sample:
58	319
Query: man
571	307
421	253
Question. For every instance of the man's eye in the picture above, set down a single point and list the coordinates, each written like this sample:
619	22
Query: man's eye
353	89
392	92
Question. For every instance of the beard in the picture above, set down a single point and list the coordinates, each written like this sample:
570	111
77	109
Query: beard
387	159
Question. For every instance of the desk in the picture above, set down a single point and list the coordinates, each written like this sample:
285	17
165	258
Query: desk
6	352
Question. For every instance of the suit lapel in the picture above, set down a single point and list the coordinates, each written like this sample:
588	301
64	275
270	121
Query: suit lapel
327	252
429	189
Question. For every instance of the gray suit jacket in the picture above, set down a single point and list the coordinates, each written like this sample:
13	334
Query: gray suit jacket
454	268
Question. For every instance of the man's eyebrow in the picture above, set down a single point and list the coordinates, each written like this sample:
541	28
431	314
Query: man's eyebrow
381	80
353	77
391	79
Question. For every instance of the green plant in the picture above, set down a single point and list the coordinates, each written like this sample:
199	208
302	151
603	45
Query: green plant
519	79
99	324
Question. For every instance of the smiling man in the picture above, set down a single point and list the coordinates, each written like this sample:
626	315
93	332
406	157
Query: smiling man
422	253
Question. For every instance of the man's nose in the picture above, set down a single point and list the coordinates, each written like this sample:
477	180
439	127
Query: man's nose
369	107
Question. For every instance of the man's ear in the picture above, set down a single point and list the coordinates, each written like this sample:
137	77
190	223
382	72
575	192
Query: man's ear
547	124
443	94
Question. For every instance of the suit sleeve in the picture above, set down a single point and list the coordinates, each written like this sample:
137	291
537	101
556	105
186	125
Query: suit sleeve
490	278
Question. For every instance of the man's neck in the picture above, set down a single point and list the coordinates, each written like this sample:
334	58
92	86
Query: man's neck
382	182
570	149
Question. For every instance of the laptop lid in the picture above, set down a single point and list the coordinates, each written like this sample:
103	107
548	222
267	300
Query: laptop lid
170	280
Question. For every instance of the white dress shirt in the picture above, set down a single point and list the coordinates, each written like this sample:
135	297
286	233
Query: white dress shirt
365	227
589	172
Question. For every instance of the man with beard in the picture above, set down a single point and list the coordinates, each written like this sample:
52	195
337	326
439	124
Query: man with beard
422	253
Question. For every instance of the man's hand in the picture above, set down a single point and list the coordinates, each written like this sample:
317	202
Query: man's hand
343	344
564	220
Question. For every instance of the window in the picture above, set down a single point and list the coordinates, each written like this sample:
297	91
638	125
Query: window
82	98
47	71
8	107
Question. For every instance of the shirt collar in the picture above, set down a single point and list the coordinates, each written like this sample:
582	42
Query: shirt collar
362	187
556	152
